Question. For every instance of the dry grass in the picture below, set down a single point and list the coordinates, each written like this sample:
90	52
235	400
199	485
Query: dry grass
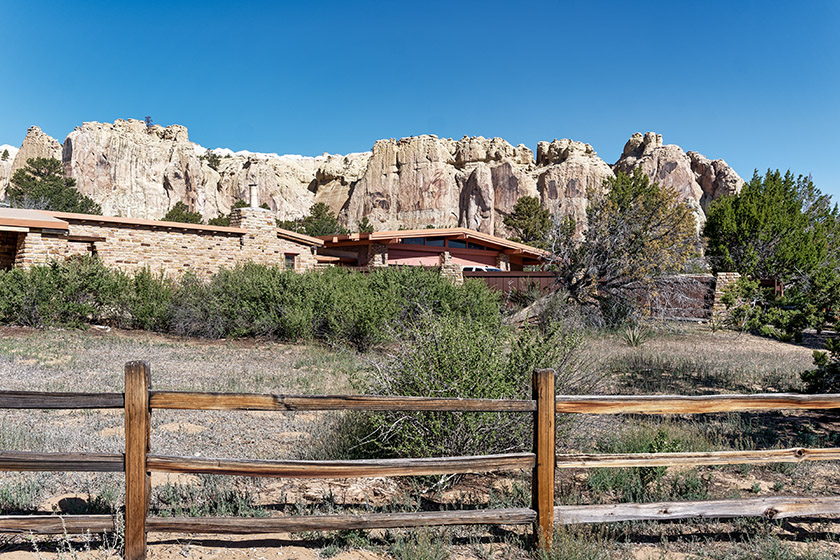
686	359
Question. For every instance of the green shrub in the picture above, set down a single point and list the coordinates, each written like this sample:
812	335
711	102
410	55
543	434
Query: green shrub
825	378
71	293
146	302
456	357
213	496
646	484
335	305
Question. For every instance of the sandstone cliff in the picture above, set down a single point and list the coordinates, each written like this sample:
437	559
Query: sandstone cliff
36	144
6	166
139	171
697	179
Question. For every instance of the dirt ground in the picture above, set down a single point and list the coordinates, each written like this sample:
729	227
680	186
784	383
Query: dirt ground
688	360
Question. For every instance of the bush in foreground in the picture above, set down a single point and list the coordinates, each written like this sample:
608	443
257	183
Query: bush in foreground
250	300
455	357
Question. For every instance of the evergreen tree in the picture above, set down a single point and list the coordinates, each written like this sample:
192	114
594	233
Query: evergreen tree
181	213
529	222
782	227
5	156
364	226
779	226
42	184
320	221
636	230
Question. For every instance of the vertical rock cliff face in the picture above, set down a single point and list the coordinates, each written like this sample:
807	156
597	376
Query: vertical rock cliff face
568	171
139	171
697	179
37	144
426	180
6	166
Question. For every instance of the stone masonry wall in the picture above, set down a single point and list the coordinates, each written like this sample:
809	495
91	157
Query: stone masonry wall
723	281
170	250
262	245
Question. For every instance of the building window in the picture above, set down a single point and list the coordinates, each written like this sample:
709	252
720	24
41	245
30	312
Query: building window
457	244
435	241
414	240
290	261
472	245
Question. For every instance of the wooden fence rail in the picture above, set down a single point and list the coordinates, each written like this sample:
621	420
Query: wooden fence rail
138	462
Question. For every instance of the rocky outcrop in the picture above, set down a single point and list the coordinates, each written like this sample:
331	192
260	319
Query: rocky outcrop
715	177
668	165
135	170
568	172
426	180
37	144
139	171
6	162
697	180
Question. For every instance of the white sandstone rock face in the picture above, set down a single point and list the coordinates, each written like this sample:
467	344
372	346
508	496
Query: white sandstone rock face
568	171
6	166
37	144
139	171
716	178
697	179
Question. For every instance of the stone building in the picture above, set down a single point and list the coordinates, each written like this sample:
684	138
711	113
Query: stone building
30	237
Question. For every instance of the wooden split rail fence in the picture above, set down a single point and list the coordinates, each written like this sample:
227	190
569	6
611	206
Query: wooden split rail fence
138	462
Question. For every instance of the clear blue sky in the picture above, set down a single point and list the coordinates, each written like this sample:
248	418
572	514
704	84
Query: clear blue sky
754	82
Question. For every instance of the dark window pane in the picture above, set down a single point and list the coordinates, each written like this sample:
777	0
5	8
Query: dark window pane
472	245
414	240
435	241
457	244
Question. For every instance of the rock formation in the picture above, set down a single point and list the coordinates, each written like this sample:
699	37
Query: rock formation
6	166
139	171
697	180
568	171
36	144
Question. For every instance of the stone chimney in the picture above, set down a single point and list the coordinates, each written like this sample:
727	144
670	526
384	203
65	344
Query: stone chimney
254	194
260	244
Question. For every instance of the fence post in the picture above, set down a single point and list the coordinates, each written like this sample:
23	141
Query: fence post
137	482
542	481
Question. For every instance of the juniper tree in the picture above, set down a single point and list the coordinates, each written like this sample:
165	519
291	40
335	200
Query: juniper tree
41	184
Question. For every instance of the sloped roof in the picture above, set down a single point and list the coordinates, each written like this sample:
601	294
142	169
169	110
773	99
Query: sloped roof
18	217
457	233
300	237
142	222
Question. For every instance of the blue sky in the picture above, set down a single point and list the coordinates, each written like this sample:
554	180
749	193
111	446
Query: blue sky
754	82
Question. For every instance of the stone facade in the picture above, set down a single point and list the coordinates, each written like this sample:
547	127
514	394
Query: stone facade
723	281
449	270
166	247
503	262
374	255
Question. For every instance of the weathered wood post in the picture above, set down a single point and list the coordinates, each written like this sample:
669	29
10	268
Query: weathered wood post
542	481
137	482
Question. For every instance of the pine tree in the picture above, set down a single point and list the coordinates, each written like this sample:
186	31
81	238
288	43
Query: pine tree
42	184
529	222
181	213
